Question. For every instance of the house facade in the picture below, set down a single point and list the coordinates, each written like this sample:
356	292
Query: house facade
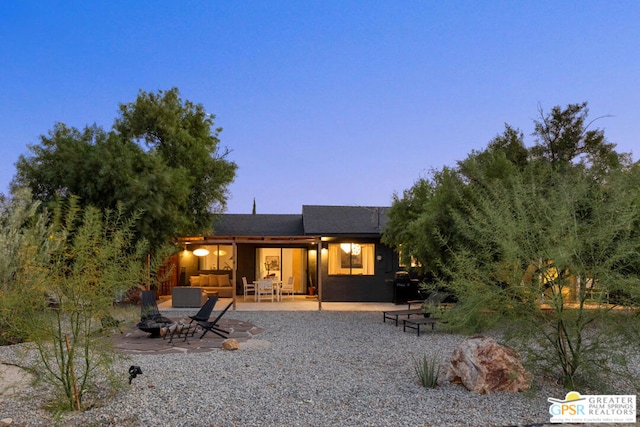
333	252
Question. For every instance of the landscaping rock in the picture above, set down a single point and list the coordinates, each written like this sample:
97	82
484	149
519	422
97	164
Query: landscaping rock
484	366
230	344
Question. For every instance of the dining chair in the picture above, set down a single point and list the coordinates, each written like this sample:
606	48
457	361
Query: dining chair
265	290
287	288
249	288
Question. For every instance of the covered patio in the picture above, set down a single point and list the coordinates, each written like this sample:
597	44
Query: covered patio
236	257
300	303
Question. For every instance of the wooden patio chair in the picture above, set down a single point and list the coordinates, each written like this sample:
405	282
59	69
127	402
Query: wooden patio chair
288	288
265	290
249	288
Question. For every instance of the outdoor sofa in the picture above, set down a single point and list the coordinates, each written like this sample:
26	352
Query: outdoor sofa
213	283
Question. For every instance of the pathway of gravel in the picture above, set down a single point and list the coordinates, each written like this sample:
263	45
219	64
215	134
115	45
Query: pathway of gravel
304	369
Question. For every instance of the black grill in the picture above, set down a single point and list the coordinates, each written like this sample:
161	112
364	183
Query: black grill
404	288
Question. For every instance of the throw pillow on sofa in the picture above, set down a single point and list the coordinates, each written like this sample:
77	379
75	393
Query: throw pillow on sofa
223	280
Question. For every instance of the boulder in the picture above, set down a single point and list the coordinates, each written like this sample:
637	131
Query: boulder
230	344
484	366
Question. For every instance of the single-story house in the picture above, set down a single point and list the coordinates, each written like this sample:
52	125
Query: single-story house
332	251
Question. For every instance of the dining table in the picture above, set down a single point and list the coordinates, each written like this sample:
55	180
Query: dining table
277	286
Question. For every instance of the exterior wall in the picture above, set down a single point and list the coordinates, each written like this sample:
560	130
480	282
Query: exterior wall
188	266
246	265
376	288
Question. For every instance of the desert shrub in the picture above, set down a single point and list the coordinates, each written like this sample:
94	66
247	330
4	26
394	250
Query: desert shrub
427	370
92	260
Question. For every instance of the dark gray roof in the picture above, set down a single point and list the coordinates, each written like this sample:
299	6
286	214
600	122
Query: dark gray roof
315	221
246	225
344	220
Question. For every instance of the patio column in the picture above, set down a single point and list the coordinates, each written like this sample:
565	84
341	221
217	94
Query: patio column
234	272
319	272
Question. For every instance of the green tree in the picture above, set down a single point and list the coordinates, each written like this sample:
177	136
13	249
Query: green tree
24	247
511	228
421	221
161	157
181	133
529	256
563	138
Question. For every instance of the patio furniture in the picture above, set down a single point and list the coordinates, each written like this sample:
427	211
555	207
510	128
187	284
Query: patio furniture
415	323
287	288
248	289
265	290
151	320
213	283
434	300
213	326
277	287
187	297
189	329
395	314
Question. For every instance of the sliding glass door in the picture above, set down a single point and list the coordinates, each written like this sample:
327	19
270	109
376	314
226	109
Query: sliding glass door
282	263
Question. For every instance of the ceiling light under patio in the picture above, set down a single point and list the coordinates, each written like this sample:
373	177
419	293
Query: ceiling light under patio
201	252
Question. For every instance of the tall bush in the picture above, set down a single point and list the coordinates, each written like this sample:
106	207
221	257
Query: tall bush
91	261
533	245
24	250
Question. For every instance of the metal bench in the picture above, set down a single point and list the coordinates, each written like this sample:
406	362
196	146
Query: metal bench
415	323
395	314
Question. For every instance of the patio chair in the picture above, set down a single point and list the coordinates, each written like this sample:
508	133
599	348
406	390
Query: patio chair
265	290
287	288
249	288
151	320
189	329
213	326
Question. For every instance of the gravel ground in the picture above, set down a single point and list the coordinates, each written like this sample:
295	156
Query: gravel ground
305	369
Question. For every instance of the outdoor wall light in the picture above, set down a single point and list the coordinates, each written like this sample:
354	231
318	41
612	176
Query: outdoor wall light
201	252
379	257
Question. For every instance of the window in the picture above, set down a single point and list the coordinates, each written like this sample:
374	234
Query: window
355	259
220	257
412	261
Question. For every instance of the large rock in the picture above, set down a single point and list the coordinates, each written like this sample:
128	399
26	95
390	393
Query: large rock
484	366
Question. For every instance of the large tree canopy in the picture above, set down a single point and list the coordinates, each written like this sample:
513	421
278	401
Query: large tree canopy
510	230
421	221
161	157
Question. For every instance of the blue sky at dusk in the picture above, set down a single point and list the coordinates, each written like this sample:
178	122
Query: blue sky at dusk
323	102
